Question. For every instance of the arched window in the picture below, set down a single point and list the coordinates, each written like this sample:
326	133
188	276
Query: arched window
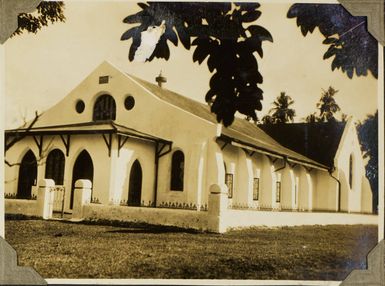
104	108
351	171
27	176
177	171
54	166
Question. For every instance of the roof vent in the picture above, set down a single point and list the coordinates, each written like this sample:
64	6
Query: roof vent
160	79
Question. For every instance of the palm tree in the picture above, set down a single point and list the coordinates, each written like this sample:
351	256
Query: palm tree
267	119
327	105
312	118
281	112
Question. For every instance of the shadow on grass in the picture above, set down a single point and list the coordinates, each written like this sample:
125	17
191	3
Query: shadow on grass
125	227
138	227
150	230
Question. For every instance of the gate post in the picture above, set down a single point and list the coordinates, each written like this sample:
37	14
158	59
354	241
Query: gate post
45	198
82	196
218	201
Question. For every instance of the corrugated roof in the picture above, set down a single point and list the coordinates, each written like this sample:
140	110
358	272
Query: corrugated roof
318	141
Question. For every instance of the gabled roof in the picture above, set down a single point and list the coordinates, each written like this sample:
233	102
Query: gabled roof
240	131
318	141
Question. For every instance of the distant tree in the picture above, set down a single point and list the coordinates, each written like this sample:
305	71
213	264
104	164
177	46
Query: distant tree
352	48
267	119
368	136
47	12
312	118
327	105
281	112
224	34
344	117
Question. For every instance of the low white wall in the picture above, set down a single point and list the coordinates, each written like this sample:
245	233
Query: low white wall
248	218
24	207
158	216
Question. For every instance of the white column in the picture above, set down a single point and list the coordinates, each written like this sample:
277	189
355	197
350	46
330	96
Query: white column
243	195
45	197
218	201
82	196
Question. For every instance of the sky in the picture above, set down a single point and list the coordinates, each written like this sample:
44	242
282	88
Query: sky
41	69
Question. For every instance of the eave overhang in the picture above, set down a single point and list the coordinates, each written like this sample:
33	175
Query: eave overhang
245	145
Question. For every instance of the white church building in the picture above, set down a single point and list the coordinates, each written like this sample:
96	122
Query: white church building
142	145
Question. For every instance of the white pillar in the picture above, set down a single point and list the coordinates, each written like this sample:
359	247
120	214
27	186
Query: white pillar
218	201
45	197
215	170
82	196
244	183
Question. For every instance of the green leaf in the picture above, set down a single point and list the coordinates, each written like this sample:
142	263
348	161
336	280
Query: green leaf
330	52
255	45
329	41
201	52
184	36
251	16
144	6
171	35
260	32
130	33
136	18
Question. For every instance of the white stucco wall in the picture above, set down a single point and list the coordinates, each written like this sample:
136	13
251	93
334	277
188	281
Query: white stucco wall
250	218
267	183
24	207
14	156
157	216
214	166
287	188
305	190
325	194
349	146
366	196
121	165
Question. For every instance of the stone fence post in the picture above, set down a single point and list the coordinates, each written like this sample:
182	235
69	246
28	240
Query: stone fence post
45	198
82	196
217	207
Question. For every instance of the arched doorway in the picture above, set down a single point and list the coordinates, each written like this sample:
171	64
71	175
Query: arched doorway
135	185
54	166
83	169
27	176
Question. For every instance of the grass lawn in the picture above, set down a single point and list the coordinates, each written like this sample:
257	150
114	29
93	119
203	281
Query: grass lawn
71	250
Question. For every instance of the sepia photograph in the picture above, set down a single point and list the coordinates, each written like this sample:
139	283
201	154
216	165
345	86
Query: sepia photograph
192	140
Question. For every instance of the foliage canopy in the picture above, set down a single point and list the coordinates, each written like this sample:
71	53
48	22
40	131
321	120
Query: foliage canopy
368	136
222	33
352	48
47	12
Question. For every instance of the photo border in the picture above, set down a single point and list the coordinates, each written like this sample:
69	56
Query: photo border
373	9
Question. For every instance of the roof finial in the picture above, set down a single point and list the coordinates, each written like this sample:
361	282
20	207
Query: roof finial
160	79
